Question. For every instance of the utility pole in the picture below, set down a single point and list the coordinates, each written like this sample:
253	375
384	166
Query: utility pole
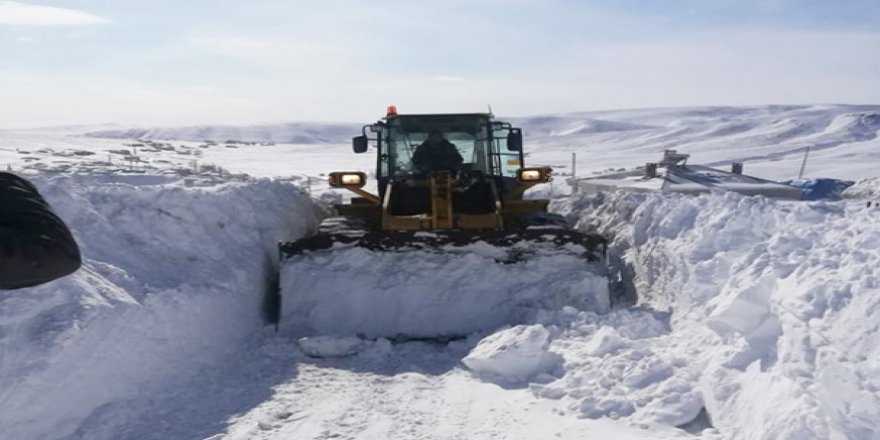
573	165
804	163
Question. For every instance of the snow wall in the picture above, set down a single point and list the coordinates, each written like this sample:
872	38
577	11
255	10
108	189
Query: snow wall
172	282
764	312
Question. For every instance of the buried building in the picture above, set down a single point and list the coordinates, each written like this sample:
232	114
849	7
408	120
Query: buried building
674	174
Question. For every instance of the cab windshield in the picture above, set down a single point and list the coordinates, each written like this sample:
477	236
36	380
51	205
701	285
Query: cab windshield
472	136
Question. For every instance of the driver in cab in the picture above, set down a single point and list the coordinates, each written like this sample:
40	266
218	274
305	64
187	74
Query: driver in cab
436	154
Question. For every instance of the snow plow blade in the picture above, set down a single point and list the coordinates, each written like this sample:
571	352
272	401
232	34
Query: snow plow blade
514	245
436	284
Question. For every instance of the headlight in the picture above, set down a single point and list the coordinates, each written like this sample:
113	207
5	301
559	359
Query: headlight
347	179
533	174
352	179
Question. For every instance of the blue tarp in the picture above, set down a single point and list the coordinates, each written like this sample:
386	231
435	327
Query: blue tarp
820	189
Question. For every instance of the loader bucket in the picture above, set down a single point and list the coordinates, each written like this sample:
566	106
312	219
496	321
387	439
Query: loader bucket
437	284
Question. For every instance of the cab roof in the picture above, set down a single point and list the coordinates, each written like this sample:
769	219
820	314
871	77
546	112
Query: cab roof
433	115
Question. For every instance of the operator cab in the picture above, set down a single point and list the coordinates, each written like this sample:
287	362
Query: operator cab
489	149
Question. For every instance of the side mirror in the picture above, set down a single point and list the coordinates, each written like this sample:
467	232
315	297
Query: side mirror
514	140
359	144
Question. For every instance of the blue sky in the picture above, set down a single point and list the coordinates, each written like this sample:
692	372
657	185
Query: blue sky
218	61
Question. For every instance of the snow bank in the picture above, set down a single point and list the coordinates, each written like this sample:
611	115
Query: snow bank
172	281
350	291
865	189
763	312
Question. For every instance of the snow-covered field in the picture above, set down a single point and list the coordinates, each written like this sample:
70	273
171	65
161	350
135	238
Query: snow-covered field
751	318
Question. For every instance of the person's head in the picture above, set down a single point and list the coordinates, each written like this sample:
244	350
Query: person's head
435	137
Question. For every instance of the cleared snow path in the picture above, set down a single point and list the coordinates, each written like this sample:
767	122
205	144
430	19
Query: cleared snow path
413	390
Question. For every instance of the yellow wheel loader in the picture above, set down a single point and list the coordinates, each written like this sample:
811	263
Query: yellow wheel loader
417	247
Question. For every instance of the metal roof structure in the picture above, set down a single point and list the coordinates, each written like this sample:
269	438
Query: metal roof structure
674	174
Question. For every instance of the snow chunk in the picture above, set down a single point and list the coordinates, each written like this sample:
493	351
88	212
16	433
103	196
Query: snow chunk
514	355
606	340
330	346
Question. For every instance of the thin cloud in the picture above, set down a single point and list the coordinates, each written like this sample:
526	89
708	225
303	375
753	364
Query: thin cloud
239	46
256	48
297	59
15	13
199	89
447	78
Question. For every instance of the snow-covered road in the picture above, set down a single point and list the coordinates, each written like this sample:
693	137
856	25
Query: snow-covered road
413	390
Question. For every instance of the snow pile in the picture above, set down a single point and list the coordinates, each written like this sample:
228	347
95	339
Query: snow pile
763	312
865	189
606	340
349	291
620	365
173	280
514	355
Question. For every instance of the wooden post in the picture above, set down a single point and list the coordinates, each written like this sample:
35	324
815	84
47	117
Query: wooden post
804	163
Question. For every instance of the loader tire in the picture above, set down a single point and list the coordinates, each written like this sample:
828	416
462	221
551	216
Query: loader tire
544	219
341	225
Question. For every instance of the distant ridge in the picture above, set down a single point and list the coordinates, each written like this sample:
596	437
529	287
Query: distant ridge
672	127
292	133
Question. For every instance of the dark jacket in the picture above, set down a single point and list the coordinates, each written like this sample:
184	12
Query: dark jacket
436	157
35	245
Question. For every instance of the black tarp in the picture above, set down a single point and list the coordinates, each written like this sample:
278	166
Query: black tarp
35	245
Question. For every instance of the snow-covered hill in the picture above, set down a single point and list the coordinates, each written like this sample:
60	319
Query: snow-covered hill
771	140
290	133
751	318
